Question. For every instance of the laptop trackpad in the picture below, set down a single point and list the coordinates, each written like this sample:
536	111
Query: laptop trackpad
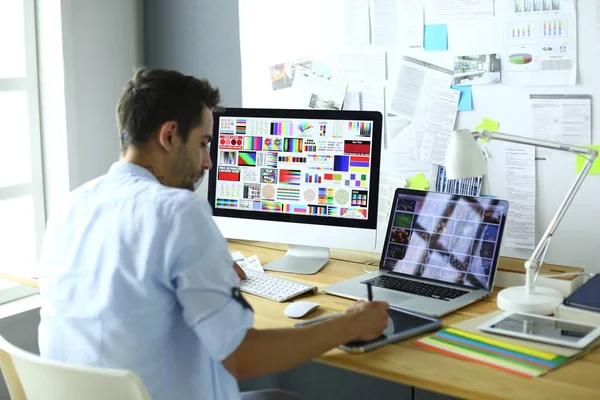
392	297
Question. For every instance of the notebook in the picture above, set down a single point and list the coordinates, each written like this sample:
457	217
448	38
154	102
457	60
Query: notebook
586	297
516	356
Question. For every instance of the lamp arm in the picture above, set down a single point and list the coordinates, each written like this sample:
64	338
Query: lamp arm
536	257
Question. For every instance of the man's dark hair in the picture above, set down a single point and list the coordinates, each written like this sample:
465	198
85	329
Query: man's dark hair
155	96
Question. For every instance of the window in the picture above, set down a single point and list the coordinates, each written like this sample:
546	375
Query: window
22	217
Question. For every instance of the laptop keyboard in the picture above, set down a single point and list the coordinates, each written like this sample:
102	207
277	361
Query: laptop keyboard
416	287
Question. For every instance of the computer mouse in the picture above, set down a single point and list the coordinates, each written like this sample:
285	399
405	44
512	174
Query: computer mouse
299	309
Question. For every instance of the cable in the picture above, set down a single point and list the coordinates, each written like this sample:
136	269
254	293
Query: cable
369	263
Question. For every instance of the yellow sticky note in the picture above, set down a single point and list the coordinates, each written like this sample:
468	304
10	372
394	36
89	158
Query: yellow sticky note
580	162
418	182
488	125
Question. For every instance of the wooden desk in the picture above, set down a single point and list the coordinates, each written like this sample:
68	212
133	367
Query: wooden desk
407	364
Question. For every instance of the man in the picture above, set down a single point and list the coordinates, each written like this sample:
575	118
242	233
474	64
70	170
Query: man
135	274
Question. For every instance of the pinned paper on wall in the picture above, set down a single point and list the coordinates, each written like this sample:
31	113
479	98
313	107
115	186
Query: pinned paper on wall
322	69
418	182
357	27
465	102
580	162
435	37
352	101
467	186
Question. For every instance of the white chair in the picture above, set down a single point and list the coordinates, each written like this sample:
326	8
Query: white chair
28	376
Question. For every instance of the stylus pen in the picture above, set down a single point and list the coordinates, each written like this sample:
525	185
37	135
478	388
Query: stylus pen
369	292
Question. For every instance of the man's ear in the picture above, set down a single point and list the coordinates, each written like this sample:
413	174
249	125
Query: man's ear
166	135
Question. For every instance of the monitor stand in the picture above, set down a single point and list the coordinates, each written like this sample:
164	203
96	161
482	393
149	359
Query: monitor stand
301	260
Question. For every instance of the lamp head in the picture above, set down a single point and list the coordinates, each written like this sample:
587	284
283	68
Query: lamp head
464	157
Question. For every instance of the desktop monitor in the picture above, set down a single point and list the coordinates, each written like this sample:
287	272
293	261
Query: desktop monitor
306	178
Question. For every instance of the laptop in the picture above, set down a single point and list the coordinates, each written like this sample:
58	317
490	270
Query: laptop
440	253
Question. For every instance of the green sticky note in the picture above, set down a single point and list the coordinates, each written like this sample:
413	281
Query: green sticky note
487	125
580	162
418	182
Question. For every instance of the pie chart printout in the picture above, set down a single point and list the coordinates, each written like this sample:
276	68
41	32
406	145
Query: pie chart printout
520	58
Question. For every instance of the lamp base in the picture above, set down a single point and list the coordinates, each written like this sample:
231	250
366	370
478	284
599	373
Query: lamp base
542	301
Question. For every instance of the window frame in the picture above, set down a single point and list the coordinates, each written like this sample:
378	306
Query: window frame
29	84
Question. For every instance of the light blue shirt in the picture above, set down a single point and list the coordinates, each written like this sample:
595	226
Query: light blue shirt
136	275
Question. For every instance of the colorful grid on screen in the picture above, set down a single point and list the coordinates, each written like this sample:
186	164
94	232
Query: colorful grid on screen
357	180
227	203
252	191
288	194
360	128
228	157
291	160
229	190
310	177
271	206
357	147
271	160
317	210
252	143
258	126
289	177
330	146
226	124
273	144
362	212
292	145
294	166
322	130
240	127
247	158
304	127
338	130
326	196
359	164
341	163
294	208
333	211
229	174
359	198
333	178
310	145
282	128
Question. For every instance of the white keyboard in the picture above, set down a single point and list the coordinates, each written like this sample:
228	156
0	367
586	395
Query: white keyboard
273	287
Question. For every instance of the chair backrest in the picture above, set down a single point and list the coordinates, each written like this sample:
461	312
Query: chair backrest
31	377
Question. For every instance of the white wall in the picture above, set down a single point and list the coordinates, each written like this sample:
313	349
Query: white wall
87	51
577	236
197	37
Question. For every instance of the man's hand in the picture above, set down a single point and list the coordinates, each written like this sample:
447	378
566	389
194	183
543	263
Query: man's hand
239	270
368	319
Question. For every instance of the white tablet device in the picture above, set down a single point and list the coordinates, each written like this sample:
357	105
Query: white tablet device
543	329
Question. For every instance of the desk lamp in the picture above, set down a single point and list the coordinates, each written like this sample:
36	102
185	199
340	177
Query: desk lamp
465	159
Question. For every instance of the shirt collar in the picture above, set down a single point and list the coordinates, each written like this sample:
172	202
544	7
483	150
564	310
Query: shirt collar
123	167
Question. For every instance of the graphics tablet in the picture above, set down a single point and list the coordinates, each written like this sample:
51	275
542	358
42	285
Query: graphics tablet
401	325
543	329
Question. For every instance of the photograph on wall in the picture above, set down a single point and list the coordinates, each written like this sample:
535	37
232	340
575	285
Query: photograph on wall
282	75
482	69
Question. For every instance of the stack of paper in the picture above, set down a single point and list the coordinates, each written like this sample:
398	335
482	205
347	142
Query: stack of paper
251	262
519	360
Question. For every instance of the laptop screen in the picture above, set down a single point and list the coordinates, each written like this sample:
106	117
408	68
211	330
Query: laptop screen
444	237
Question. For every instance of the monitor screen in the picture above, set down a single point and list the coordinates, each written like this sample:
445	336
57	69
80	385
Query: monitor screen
445	237
311	166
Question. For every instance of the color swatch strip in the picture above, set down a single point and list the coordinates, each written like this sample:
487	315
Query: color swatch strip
519	360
